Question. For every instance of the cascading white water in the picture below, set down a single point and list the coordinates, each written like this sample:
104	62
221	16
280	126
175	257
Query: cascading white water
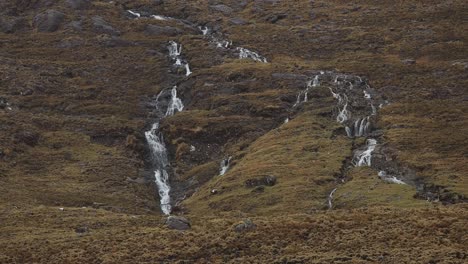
343	115
246	54
224	166
159	158
302	97
159	151
175	104
187	69
391	179
204	30
174	49
162	18
175	52
138	15
365	157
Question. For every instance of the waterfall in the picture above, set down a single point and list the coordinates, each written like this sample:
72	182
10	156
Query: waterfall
245	54
391	179
224	166
157	17
304	94
159	158
174	49
365	157
343	115
175	104
204	30
138	15
187	69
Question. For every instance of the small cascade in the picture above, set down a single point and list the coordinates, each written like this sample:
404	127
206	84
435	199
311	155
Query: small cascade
162	18
343	115
388	178
224	166
187	69
248	54
204	30
159	158
175	105
175	50
364	158
175	53
135	14
158	148
330	199
302	97
222	43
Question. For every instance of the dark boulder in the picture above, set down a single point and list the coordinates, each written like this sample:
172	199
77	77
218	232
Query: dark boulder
177	223
101	26
48	21
162	30
265	181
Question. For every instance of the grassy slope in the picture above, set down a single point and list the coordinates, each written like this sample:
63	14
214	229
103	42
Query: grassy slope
83	121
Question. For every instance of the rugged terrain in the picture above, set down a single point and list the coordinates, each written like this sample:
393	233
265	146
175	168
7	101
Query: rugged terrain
78	84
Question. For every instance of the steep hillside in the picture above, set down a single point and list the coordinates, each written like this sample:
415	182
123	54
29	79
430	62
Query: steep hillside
282	131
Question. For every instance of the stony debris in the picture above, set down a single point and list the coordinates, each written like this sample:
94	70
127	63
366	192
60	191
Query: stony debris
178	223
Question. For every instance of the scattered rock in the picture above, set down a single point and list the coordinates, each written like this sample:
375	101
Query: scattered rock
266	181
159	30
30	138
238	21
101	26
409	61
178	223
222	8
78	4
246	225
275	18
48	21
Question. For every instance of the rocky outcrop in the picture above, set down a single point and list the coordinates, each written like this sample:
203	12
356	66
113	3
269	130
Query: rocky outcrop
48	21
102	26
178	223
